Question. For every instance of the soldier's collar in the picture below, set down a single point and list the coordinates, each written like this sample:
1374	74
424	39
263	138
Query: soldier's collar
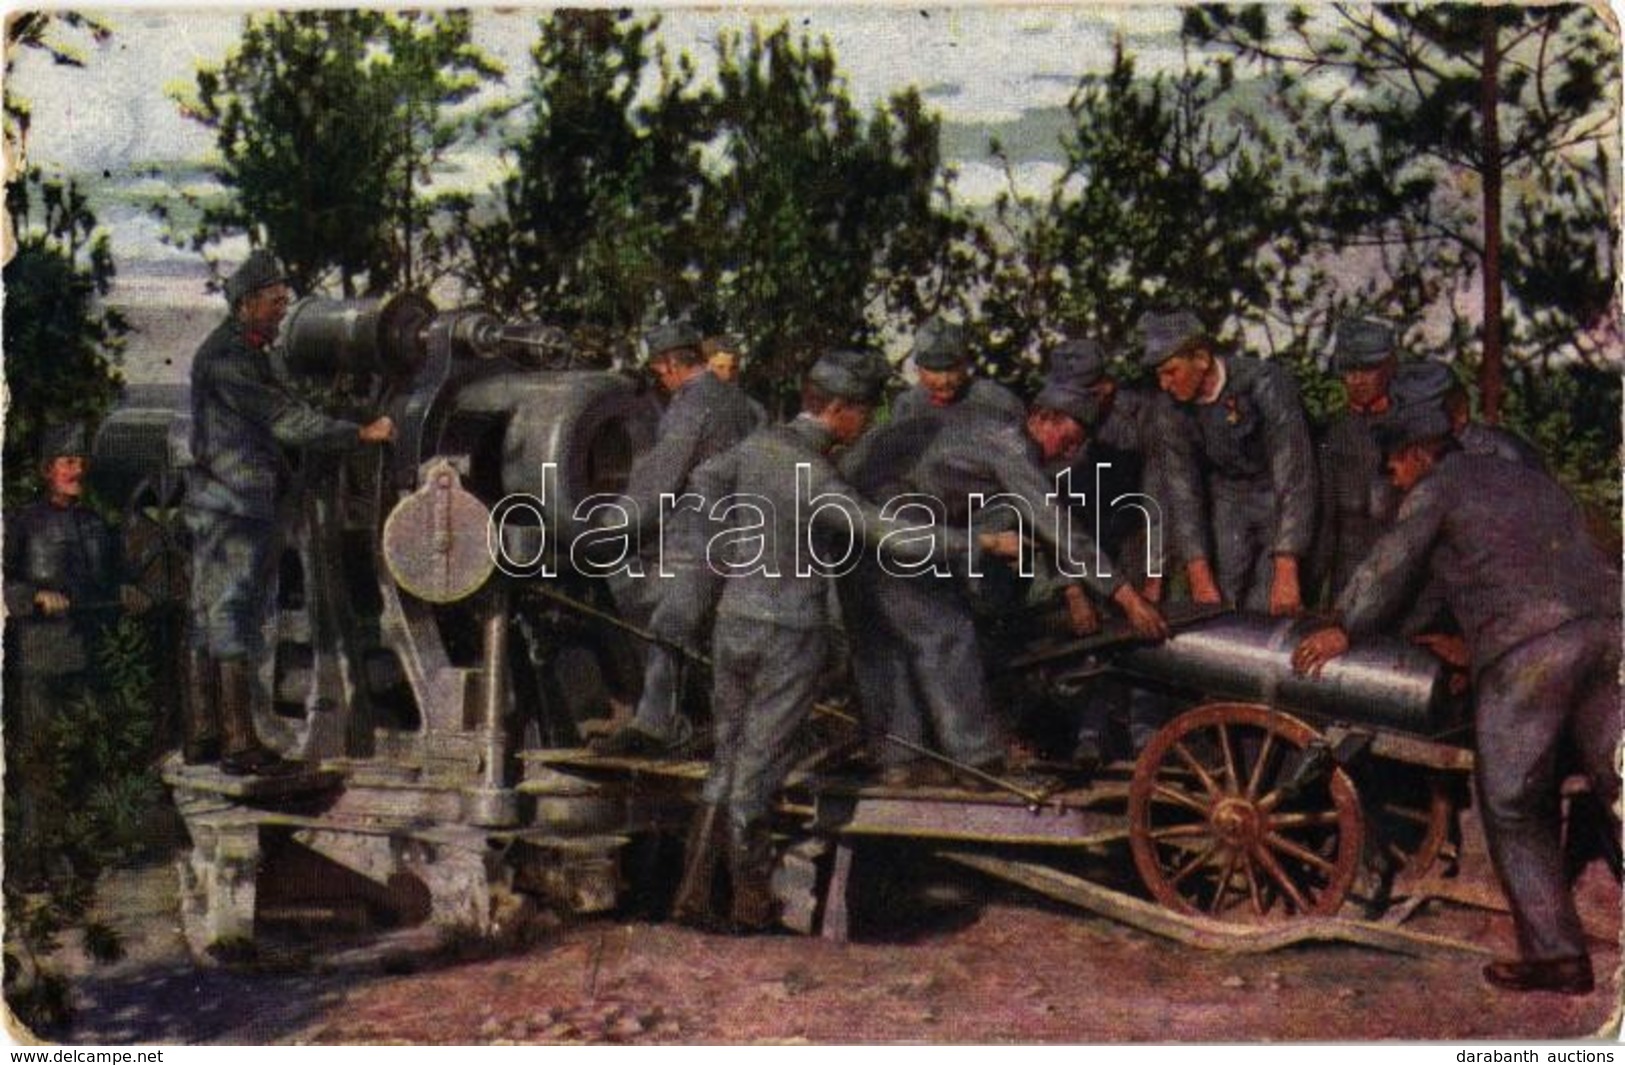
1221	377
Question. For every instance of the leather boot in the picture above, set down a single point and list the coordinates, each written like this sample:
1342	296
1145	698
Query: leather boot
702	855
750	865
200	730
243	754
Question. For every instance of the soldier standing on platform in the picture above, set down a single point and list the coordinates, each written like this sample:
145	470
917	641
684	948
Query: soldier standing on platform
773	626
243	420
61	578
704	418
942	359
1539	611
1249	449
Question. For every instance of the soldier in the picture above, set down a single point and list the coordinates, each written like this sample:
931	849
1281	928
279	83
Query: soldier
703	418
1357	502
243	419
724	357
773	624
942	358
1248	446
1539	612
929	625
1432	382
61	577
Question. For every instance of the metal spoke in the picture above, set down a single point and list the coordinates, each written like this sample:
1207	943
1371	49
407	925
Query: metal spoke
1180	798
1195	863
1303	854
1277	874
1198	768
1264	754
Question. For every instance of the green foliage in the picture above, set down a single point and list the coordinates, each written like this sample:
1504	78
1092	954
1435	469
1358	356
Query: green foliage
331	126
62	345
1571	414
41	31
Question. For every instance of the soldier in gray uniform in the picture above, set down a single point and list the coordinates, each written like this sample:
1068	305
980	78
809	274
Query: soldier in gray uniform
1432	382
704	418
1249	449
773	622
62	579
942	359
1356	500
244	419
1539	612
929	625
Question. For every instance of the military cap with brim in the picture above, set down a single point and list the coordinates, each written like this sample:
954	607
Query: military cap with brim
258	271
669	336
1421	383
1066	393
1360	344
940	345
859	376
67	440
1410	425
1167	335
1081	358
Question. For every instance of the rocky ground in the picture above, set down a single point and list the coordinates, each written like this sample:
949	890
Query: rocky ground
939	955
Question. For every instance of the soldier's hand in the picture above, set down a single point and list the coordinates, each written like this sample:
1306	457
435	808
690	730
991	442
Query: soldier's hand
1145	619
1081	613
1449	648
133	599
50	603
1151	590
1204	589
1318	648
1000	545
1286	597
378	431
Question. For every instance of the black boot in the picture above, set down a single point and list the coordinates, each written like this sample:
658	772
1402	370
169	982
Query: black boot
750	865
200	728
244	754
702	855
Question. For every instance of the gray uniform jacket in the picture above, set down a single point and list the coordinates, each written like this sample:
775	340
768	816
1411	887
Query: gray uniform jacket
1251	443
760	476
1142	422
1477	438
705	417
980	451
242	419
69	550
979	392
1357	501
1506	546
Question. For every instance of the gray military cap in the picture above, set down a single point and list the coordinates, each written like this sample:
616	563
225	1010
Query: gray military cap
65	440
1081	358
258	271
1167	335
1424	421
859	376
940	345
1361	343
1420	383
668	336
1068	393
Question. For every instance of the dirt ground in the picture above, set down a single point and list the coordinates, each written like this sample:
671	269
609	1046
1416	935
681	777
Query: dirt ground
939	955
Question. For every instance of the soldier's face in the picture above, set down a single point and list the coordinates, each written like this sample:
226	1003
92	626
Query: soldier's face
667	373
263	309
1057	435
1407	465
65	475
848	420
1182	375
725	365
1368	385
942	387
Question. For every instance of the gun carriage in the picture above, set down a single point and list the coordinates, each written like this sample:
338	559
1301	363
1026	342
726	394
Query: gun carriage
441	697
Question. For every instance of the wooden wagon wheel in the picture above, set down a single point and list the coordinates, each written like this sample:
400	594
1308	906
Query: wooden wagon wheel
1415	820
156	546
1233	816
